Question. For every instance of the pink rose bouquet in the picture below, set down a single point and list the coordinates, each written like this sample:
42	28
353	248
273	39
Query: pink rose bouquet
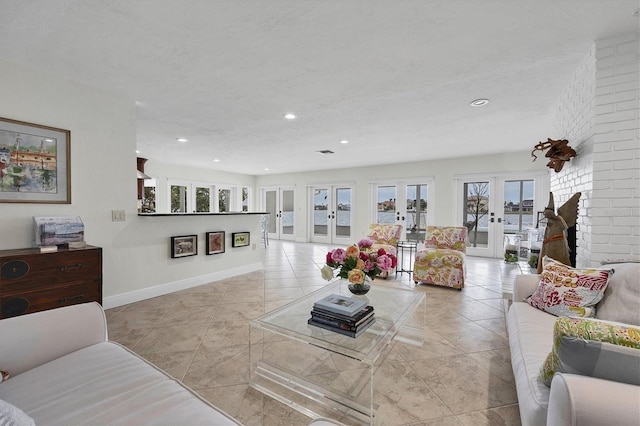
357	262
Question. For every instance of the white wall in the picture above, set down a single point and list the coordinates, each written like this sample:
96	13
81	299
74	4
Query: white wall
598	113
136	262
441	192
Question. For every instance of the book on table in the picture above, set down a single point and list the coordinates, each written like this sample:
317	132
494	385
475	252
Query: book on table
351	333
342	321
343	305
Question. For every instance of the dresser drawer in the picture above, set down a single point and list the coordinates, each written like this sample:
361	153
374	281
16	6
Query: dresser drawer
54	297
31	272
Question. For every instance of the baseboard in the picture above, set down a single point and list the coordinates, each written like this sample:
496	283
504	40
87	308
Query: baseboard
162	289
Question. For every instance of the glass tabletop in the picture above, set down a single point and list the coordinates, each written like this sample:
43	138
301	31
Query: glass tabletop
392	307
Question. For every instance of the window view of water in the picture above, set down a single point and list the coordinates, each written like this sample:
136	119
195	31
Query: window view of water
510	222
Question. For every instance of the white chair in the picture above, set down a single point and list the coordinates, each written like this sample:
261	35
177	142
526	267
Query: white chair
264	227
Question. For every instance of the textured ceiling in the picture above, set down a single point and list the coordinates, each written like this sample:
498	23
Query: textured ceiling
395	78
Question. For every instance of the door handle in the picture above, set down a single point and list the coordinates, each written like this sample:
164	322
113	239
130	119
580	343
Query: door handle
492	220
499	220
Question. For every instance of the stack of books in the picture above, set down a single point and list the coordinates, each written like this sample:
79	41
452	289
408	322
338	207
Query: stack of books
341	314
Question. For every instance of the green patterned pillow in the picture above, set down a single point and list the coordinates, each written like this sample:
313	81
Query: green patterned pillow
594	348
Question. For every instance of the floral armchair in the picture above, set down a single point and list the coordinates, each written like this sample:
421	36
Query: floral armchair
441	262
386	237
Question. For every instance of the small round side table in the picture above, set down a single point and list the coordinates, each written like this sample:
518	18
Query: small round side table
410	247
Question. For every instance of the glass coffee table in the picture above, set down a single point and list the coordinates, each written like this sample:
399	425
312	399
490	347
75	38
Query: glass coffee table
326	374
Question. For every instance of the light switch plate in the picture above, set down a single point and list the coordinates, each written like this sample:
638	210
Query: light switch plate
118	216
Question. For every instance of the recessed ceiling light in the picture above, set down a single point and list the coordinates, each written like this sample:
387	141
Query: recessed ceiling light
290	116
479	102
344	141
137	151
216	160
266	169
181	139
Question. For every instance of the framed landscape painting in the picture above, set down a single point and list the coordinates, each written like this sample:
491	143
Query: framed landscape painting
185	245
215	242
35	164
240	239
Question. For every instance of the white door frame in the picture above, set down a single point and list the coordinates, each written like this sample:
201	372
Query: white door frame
332	236
496	181
401	185
276	220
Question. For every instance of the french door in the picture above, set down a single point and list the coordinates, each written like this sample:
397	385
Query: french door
403	203
331	214
279	203
494	206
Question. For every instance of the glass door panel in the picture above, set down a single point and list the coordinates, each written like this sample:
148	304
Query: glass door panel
341	232
519	211
478	217
386	204
321	215
271	206
287	214
416	223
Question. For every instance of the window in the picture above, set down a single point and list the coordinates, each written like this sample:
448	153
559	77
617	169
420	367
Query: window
198	197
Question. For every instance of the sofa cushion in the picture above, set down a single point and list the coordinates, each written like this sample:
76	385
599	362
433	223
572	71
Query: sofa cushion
594	348
106	384
621	300
530	337
10	415
567	291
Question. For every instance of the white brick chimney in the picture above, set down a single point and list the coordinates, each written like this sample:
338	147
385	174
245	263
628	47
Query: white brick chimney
599	113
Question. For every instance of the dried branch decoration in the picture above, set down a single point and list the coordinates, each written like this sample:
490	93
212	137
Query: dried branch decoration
559	152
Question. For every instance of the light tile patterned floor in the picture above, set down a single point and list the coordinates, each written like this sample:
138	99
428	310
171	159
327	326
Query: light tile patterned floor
461	376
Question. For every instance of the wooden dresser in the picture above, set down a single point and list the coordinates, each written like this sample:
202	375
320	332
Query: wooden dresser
31	281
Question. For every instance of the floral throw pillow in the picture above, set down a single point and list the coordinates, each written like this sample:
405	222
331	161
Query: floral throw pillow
567	291
595	348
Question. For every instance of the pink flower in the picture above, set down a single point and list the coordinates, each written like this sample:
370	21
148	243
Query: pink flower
365	243
369	265
338	255
329	258
384	262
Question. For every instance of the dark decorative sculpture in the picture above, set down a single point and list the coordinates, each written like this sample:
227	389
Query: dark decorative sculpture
555	243
559	152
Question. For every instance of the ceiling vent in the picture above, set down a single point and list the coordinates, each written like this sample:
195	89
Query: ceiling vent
326	151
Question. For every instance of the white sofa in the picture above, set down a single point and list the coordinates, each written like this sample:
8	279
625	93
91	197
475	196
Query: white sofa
64	371
571	399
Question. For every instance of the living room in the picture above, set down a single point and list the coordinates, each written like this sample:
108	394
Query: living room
596	110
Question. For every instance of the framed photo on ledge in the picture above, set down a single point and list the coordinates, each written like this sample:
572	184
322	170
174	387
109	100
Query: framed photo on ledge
215	242
240	239
185	245
35	163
